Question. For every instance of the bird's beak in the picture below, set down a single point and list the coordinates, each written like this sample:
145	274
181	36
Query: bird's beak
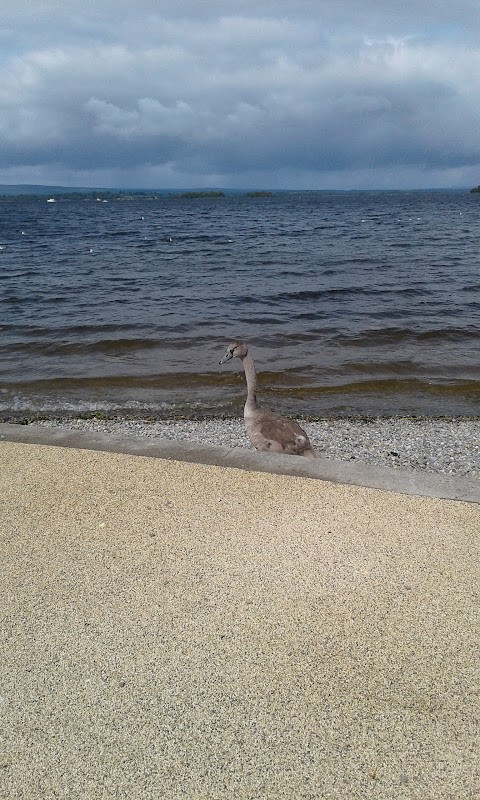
228	355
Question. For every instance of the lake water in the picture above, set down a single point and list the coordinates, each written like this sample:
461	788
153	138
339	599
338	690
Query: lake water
361	303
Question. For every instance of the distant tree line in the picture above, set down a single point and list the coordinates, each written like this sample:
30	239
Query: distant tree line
108	195
93	196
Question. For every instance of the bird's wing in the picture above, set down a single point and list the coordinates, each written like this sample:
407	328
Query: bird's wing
279	433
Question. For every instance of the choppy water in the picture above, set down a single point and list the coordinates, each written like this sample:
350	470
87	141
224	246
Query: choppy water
352	303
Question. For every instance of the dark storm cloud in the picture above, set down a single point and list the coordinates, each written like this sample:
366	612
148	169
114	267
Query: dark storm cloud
234	92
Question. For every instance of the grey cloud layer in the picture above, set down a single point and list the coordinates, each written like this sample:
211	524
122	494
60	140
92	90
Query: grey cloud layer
236	95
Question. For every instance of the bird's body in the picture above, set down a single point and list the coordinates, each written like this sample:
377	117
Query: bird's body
267	431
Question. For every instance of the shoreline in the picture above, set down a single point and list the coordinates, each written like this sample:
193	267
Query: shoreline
437	445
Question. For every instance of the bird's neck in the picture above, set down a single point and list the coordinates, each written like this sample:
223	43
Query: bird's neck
251	378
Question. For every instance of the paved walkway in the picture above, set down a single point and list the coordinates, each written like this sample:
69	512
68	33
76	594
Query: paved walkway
179	630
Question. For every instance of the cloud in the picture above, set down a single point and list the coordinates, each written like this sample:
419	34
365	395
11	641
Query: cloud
300	91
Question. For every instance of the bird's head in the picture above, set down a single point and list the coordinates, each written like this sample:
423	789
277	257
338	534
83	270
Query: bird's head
235	350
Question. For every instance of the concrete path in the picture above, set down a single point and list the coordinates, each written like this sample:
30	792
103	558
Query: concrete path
410	482
179	630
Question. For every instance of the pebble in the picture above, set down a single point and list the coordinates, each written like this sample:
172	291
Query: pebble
449	446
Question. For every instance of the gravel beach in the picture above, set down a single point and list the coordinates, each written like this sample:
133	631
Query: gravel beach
448	446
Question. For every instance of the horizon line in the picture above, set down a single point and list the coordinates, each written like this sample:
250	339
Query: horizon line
93	188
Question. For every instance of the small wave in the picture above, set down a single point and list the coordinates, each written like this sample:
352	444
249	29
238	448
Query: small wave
64	330
72	383
32	299
387	386
28	273
67	408
302	379
341	291
117	234
107	346
386	336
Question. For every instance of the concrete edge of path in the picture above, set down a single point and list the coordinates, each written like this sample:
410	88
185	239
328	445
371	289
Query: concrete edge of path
410	482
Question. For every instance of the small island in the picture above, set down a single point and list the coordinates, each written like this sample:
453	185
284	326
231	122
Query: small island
194	195
475	190
97	196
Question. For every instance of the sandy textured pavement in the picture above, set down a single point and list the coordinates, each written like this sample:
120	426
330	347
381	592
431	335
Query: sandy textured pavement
172	630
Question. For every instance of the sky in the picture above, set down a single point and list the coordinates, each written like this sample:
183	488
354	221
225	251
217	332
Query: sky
261	94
